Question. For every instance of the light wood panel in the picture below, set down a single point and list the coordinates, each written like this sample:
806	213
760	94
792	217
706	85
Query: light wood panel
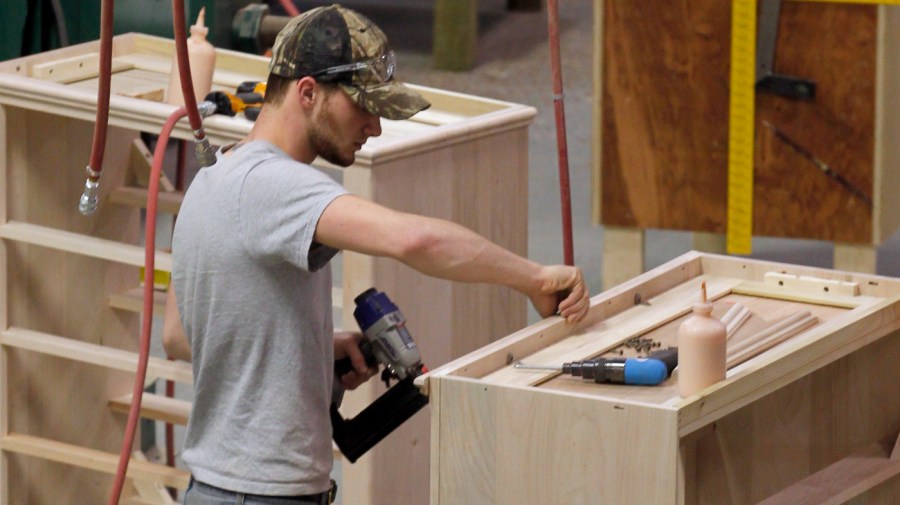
94	354
518	447
95	460
157	407
62	240
43	177
470	184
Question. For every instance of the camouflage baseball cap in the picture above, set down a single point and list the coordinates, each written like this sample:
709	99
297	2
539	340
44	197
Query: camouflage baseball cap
336	44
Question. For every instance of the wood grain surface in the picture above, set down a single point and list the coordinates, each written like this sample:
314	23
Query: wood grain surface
664	138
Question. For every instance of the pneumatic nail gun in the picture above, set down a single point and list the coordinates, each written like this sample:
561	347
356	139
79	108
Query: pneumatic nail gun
387	343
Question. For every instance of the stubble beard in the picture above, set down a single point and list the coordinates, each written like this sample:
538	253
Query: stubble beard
322	138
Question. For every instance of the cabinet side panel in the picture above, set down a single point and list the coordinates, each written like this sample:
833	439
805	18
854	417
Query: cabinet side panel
508	446
480	183
66	295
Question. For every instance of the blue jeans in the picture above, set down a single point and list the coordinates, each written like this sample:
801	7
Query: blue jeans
199	493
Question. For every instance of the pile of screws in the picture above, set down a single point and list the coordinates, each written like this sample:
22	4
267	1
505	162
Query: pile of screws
642	344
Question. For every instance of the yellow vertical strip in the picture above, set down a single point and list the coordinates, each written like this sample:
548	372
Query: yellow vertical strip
742	103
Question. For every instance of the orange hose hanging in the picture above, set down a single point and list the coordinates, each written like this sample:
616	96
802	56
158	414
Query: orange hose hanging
88	203
561	146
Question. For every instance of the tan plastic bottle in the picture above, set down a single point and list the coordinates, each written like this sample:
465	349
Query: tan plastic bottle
701	349
202	58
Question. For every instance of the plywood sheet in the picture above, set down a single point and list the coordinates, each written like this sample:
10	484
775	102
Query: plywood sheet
665	119
524	447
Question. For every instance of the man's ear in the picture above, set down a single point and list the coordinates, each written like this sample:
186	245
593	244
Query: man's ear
306	91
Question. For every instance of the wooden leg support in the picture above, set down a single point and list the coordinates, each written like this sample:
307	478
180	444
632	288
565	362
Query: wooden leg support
455	34
855	258
708	242
623	255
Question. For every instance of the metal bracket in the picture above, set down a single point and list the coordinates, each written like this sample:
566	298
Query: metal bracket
767	81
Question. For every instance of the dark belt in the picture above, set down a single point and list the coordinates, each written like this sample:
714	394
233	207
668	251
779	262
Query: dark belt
323	498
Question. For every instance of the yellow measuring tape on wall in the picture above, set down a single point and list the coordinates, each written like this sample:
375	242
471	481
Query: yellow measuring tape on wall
742	105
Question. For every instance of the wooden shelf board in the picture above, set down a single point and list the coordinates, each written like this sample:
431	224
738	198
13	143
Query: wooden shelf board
93	459
160	408
841	481
168	203
133	301
94	354
81	244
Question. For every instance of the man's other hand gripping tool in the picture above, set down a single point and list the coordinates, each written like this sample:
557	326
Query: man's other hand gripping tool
387	342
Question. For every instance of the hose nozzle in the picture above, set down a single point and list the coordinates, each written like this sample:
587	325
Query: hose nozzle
88	203
206	108
206	155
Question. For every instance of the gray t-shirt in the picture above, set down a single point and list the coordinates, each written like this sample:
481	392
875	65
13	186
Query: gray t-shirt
256	306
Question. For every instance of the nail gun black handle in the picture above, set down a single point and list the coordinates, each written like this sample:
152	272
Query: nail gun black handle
354	437
344	365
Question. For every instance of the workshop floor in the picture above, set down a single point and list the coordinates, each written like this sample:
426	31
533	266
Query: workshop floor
512	64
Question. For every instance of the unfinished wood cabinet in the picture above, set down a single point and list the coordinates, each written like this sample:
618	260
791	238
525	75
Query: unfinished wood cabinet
814	419
662	121
68	320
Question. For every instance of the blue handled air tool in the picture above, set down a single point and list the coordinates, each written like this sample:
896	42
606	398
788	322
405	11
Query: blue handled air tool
387	343
648	371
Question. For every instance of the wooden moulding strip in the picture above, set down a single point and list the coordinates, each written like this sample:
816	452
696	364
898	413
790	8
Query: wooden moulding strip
842	481
764	290
770	337
126	112
94	354
736	316
488	125
93	459
156	407
60	240
754	272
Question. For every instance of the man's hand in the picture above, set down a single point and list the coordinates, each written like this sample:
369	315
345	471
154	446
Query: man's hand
346	344
562	290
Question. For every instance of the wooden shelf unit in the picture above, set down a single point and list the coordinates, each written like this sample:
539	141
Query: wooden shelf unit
810	404
67	277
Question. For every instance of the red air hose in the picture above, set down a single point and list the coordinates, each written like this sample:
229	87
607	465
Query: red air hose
147	323
184	66
89	198
206	156
561	147
290	8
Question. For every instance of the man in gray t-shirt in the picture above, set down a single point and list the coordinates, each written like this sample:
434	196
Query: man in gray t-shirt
253	235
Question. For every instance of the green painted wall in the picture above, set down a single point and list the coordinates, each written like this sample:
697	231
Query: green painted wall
83	21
